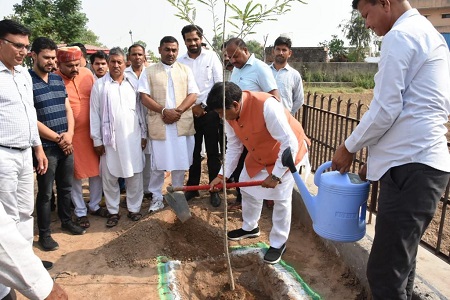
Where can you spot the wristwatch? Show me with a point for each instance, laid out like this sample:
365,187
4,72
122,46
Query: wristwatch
203,105
275,178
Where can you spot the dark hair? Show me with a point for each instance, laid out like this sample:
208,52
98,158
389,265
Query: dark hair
356,2
282,40
167,39
42,43
134,46
190,28
215,97
236,41
99,54
81,46
12,27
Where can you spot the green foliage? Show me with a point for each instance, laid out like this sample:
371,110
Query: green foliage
151,55
256,48
144,44
243,20
60,20
358,35
336,49
365,81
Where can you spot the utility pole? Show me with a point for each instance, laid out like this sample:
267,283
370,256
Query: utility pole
131,36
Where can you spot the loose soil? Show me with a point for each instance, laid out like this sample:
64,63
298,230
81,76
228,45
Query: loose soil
121,262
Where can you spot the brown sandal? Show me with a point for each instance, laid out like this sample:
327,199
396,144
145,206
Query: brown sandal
134,216
112,220
83,222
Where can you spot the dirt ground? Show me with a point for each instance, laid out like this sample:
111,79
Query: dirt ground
121,262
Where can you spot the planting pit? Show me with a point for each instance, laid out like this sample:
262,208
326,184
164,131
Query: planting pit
254,279
125,262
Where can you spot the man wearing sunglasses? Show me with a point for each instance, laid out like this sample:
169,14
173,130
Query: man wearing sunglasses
21,269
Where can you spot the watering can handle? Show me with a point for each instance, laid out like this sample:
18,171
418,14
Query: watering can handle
319,172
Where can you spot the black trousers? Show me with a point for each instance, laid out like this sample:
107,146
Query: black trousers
408,198
60,170
206,126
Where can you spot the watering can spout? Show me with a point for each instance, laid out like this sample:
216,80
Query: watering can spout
308,199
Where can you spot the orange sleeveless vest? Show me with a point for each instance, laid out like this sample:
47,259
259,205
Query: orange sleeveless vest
251,130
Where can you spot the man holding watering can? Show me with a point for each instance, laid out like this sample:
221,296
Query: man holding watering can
404,131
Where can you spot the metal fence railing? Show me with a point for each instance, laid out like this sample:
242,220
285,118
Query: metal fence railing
327,121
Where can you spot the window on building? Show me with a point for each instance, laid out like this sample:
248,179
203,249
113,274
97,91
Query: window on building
445,16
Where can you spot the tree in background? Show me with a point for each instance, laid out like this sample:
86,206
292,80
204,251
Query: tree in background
336,50
60,20
256,48
242,21
358,35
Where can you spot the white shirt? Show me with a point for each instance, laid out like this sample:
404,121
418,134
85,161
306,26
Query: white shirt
181,147
207,70
127,157
18,121
20,268
290,87
132,77
279,128
411,104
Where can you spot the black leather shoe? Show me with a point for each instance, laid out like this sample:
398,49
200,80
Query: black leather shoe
191,194
73,228
48,243
48,265
215,199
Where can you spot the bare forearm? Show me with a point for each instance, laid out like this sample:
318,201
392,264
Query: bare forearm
70,118
47,133
187,102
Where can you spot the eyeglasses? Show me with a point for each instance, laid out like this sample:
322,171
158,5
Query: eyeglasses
18,46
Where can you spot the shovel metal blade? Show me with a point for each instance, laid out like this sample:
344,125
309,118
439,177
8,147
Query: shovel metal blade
177,201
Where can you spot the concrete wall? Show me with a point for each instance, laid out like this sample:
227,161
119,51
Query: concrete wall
335,68
302,54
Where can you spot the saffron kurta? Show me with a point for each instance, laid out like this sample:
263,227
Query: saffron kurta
86,161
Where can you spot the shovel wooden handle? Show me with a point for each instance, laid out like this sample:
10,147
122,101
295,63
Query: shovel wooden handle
186,188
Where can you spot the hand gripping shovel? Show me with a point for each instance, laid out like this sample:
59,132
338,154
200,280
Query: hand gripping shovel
177,201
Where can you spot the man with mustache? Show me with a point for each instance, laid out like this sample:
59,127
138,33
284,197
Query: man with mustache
168,90
99,64
79,82
119,134
288,79
55,125
20,268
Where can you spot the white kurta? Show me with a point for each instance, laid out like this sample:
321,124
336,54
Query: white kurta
175,152
127,158
280,130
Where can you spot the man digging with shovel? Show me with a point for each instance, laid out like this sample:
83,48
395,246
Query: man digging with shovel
259,122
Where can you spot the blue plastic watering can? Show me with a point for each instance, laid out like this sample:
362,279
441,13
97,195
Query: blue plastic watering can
338,211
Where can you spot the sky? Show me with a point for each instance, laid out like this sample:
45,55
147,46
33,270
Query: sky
112,20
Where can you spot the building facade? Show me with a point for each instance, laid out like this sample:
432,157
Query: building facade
438,12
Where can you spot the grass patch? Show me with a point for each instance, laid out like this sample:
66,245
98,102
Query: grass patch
326,90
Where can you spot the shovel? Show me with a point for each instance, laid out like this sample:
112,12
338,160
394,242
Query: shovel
177,201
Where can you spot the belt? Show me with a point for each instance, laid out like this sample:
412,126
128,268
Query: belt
14,148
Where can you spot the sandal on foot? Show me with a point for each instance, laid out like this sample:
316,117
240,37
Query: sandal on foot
83,222
112,220
101,212
134,216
